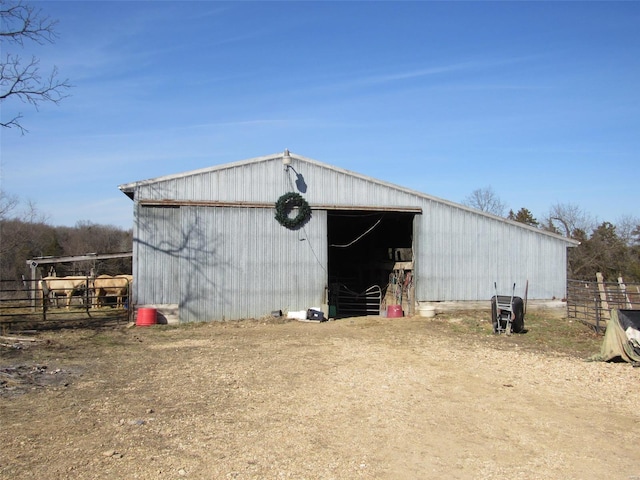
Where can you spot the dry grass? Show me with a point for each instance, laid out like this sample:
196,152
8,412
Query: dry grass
546,330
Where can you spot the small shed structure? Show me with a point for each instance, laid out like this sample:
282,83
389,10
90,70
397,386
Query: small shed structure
207,244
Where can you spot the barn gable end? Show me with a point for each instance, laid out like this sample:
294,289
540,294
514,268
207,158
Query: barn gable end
207,241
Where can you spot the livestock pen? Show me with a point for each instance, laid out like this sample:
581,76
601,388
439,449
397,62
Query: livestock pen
24,307
61,292
591,302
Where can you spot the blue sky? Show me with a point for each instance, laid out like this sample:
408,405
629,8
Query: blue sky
538,100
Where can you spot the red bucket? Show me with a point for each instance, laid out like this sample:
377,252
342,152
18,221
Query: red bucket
394,311
146,317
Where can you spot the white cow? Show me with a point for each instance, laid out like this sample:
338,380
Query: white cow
53,287
105,285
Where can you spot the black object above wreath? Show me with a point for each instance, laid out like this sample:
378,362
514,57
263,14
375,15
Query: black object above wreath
285,205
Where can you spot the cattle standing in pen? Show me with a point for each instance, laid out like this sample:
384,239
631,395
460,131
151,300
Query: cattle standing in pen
107,285
54,287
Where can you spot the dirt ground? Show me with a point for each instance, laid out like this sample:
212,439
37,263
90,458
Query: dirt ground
408,398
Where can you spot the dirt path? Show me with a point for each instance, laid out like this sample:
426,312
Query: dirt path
360,398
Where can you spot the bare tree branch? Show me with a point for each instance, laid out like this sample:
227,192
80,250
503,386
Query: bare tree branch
20,79
628,227
571,217
8,203
22,22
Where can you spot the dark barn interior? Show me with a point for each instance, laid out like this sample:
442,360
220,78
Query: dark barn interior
364,246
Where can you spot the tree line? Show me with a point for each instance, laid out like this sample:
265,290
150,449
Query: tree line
25,234
610,248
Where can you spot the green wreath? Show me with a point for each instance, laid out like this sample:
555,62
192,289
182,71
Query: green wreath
285,204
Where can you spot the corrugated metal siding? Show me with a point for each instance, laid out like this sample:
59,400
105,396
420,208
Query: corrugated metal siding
230,263
237,262
461,254
156,254
252,183
266,181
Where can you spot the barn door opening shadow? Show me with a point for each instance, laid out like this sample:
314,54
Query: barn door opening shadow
363,249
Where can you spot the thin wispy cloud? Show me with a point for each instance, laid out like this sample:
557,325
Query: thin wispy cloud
420,73
400,76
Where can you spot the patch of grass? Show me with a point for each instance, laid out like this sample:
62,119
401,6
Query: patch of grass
466,323
562,335
544,332
109,339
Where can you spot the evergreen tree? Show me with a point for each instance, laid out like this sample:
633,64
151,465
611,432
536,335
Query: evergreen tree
524,216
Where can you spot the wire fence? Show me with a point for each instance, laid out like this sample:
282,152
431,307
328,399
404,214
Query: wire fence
31,305
592,302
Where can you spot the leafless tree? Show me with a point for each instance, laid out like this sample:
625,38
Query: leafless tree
568,218
8,203
485,200
628,228
11,207
22,78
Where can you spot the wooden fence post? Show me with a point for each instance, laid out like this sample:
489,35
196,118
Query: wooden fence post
623,289
603,297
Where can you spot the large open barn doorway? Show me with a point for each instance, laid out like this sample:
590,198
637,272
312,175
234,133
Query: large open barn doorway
364,247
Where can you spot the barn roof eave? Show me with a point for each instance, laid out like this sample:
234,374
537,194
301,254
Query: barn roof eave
128,190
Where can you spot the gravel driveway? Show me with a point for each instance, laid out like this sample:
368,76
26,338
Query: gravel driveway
355,398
